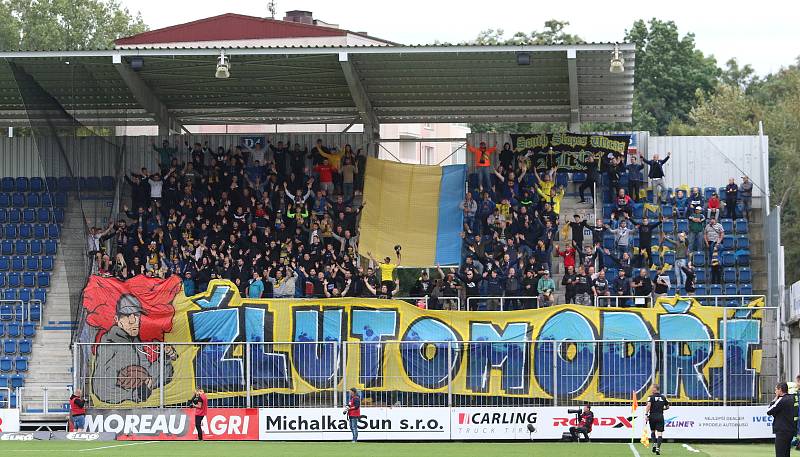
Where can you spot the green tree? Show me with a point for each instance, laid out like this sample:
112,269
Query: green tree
669,70
65,24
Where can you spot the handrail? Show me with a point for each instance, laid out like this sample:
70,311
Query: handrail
502,299
26,309
742,299
8,398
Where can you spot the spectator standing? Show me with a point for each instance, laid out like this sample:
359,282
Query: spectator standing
646,233
582,288
621,285
255,288
349,171
507,157
656,175
713,234
681,248
716,266
77,410
483,164
545,288
622,238
642,286
470,208
731,197
689,274
746,193
635,177
590,163
568,281
354,412
325,171
696,226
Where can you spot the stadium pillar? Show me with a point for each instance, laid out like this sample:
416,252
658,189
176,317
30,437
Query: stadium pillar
147,99
372,128
574,104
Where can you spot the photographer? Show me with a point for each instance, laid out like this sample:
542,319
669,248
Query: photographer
585,421
353,412
200,404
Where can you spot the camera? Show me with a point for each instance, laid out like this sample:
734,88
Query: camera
574,411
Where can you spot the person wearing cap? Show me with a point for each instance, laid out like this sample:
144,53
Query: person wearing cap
697,222
113,359
545,288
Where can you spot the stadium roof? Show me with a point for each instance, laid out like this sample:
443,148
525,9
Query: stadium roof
347,84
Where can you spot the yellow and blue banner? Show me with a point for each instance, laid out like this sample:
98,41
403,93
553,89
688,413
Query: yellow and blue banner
415,206
574,352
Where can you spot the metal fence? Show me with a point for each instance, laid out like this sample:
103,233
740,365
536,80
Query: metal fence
5,397
19,311
423,373
648,300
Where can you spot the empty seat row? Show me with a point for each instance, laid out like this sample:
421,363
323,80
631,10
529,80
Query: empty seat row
33,200
31,215
27,279
13,311
30,263
27,231
52,184
726,258
25,247
16,330
13,381
13,346
9,364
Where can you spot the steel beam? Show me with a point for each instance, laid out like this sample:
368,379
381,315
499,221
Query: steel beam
147,99
574,105
372,128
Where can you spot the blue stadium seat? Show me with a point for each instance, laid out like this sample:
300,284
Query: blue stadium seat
745,275
707,192
17,200
36,309
53,231
2,279
21,363
17,263
727,224
25,295
608,242
13,279
668,227
25,231
743,258
47,263
36,247
607,210
5,200
729,275
7,184
5,263
58,215
43,279
43,215
13,330
14,215
29,215
578,177
741,226
6,310
28,279
746,289
50,247
715,289
730,289
6,247
10,346
2,330
66,184
5,381
10,294
32,200
728,258
39,294
32,263
5,364
10,231
667,211
51,183
669,257
60,199
25,346
91,184
742,242
699,258
20,247
638,211
3,215
21,184
36,184
47,199
40,231
17,380
728,243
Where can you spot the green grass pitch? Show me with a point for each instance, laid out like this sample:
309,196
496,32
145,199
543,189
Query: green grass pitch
376,449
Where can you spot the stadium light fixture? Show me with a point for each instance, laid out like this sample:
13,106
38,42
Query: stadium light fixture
617,62
523,58
137,63
223,67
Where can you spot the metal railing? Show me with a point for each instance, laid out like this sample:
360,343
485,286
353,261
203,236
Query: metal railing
427,298
647,301
25,307
498,302
425,373
5,400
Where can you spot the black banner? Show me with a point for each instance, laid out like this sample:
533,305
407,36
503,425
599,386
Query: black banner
567,151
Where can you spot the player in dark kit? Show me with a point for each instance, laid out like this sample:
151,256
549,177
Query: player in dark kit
656,405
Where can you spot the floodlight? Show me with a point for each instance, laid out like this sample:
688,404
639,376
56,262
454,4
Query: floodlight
223,67
617,62
523,58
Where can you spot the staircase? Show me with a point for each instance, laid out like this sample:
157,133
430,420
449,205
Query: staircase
49,381
570,207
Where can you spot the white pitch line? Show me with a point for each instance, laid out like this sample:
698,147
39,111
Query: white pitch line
115,445
633,449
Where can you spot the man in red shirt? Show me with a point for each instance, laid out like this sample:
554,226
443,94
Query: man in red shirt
77,410
200,403
325,171
354,412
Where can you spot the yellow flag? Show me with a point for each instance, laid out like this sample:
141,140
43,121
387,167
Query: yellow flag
645,439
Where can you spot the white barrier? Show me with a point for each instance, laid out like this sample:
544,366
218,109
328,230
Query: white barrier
9,420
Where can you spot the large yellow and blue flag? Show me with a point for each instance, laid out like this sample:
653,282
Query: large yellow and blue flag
415,206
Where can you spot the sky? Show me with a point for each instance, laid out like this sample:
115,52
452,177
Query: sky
764,34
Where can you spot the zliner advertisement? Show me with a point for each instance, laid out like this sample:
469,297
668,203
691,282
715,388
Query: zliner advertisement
331,424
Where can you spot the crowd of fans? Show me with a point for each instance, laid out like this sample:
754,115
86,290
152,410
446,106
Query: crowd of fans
282,221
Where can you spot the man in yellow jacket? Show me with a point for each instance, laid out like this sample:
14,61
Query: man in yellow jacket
554,197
